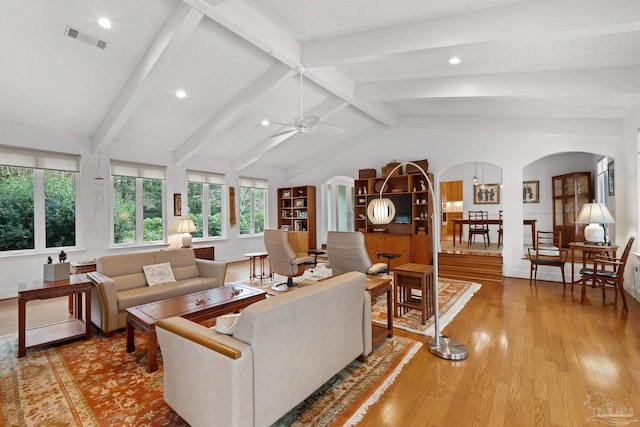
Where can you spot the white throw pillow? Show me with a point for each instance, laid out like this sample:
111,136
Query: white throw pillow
158,273
227,324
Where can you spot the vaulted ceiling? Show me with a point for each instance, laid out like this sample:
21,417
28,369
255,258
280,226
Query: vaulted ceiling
369,65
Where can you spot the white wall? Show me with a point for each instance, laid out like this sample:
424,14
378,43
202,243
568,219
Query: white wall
626,198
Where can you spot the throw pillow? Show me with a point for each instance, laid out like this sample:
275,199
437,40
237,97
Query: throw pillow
227,324
158,273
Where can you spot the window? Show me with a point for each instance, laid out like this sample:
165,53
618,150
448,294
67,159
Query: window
205,199
340,204
38,202
138,203
253,206
602,180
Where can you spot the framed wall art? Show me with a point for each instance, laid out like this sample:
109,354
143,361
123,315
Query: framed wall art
177,204
486,194
530,192
611,181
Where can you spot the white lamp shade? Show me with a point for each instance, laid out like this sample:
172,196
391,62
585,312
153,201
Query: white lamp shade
381,211
186,226
594,214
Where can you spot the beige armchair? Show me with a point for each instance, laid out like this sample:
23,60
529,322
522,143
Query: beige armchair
347,252
283,259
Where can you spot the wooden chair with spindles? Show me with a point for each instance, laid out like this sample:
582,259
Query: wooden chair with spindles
547,251
608,274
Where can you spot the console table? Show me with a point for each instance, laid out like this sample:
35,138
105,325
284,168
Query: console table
75,285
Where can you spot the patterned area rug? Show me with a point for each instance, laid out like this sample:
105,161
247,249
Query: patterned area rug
96,383
452,297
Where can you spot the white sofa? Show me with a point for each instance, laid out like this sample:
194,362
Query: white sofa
282,349
120,282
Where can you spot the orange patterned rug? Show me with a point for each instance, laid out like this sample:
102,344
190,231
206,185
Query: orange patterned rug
96,383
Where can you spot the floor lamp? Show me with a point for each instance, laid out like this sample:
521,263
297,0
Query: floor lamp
381,211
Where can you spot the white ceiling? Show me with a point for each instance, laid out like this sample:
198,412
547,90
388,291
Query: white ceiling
370,65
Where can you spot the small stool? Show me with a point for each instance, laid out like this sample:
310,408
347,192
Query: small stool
410,277
389,256
252,266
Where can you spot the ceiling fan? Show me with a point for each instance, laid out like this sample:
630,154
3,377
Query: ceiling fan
303,124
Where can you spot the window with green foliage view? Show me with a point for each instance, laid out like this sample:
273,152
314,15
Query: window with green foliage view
27,210
137,210
205,208
252,210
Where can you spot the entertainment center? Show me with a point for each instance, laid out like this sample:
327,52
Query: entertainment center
409,234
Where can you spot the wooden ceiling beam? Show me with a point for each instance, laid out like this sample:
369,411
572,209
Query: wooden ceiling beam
170,39
230,113
526,84
526,21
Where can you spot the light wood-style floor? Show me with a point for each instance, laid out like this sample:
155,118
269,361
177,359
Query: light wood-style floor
535,354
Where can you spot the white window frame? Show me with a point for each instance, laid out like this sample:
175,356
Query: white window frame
139,171
253,184
39,161
207,178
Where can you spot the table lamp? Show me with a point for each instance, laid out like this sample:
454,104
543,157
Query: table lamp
594,214
382,211
187,227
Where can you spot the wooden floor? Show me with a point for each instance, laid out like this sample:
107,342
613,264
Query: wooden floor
535,354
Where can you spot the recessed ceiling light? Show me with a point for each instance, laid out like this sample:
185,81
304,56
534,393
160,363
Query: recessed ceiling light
104,23
265,122
454,60
181,94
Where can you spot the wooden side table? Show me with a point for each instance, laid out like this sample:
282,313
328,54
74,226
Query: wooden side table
261,256
410,277
79,268
76,284
377,286
588,251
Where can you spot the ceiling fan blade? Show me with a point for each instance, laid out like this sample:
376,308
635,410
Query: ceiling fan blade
283,124
310,121
284,132
329,130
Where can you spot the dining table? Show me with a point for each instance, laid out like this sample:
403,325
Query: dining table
459,223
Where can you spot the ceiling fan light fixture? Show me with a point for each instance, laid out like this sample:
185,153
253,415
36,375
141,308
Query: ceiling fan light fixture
265,122
454,60
181,93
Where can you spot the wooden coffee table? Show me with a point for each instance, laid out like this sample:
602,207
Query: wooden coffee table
197,307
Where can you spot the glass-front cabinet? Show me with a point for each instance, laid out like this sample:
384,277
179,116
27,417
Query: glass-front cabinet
570,192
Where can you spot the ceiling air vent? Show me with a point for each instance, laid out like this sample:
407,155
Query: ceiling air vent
74,33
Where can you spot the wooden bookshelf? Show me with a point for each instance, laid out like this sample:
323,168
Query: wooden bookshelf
297,214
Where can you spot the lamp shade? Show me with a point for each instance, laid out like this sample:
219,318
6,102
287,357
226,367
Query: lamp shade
381,211
186,226
594,214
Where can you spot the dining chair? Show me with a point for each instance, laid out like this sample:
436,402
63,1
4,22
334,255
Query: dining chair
500,230
608,274
547,251
478,225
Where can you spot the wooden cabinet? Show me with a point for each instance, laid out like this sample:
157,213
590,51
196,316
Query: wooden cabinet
451,190
297,214
205,252
409,234
570,192
392,243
